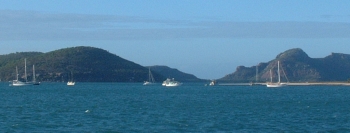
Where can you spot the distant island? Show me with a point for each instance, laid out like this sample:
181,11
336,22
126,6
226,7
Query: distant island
89,64
297,67
83,64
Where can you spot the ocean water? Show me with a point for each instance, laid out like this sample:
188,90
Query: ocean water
193,107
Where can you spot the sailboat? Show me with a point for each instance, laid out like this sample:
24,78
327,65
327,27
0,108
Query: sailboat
278,84
71,83
17,82
150,78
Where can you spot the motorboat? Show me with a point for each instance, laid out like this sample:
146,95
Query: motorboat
171,83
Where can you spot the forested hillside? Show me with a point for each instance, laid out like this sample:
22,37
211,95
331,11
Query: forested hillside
84,64
176,74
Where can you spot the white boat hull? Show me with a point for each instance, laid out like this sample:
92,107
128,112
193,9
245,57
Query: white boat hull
70,83
148,83
173,84
275,85
19,83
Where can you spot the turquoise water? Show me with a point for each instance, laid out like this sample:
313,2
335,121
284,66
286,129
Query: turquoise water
131,107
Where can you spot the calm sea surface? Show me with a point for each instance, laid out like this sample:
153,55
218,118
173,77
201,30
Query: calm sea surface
193,107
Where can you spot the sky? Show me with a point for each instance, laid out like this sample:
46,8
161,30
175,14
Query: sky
206,38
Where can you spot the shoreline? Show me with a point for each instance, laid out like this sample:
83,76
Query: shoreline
291,84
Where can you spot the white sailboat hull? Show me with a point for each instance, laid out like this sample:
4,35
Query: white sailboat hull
70,83
272,85
148,83
19,83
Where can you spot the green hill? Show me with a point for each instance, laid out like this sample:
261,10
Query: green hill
176,74
298,67
89,64
85,64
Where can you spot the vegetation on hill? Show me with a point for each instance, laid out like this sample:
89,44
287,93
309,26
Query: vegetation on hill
168,72
298,67
89,64
83,64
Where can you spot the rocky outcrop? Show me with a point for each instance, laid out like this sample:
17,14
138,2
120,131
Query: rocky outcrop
296,66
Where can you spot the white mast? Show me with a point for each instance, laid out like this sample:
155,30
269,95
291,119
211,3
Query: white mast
16,73
270,75
149,75
34,74
25,68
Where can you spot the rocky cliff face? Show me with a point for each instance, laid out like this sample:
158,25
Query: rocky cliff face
296,66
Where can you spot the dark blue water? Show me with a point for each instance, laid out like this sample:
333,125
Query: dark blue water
117,107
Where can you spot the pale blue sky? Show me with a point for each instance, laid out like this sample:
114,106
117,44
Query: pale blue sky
207,38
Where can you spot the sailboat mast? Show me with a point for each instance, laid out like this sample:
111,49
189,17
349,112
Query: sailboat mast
16,73
270,75
34,74
152,78
25,68
149,74
278,71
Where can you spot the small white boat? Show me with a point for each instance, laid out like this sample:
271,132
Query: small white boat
70,83
212,83
150,78
171,83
